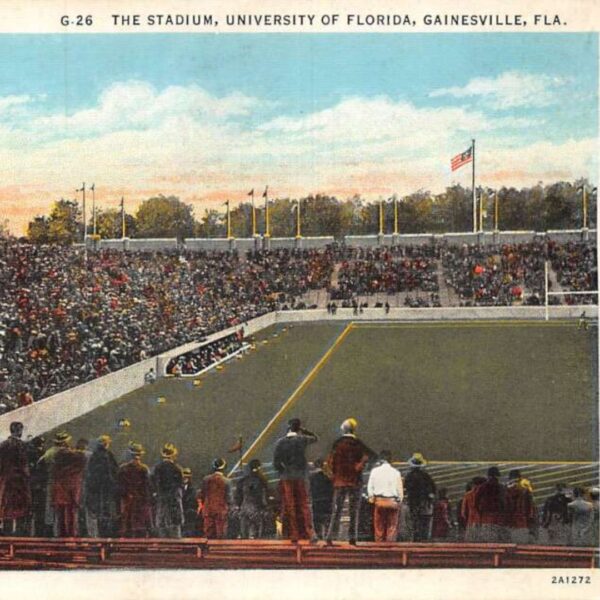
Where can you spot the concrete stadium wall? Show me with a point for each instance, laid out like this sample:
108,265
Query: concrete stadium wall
436,314
402,239
52,412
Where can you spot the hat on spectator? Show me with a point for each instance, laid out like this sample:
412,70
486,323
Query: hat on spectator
105,439
169,451
219,464
254,464
349,425
136,449
186,472
62,438
417,460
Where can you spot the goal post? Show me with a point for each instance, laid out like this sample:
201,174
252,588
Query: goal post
548,294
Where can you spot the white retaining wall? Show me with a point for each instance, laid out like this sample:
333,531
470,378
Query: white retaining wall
52,412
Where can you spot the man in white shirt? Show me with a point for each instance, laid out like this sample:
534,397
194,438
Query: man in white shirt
385,492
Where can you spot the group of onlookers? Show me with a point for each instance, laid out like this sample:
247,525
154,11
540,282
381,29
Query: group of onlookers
192,363
80,490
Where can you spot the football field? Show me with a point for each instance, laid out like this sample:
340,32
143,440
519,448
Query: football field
470,392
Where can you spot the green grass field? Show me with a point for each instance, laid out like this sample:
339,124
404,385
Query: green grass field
477,391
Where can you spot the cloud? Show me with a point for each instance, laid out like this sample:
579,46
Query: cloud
138,105
137,140
511,89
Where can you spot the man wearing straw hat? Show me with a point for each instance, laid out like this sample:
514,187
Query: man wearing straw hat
135,494
67,483
420,489
167,478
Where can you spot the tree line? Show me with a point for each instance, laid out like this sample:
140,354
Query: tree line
539,208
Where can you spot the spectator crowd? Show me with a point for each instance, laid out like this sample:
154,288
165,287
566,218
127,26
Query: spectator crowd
80,490
68,316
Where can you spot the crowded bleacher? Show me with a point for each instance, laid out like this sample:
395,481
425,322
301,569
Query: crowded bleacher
67,316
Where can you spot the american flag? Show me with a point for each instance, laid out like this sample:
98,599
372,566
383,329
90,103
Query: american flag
462,159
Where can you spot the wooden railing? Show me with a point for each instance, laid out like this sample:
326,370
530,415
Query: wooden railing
200,553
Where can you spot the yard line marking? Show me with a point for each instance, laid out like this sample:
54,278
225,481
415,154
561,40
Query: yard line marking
295,395
506,462
466,324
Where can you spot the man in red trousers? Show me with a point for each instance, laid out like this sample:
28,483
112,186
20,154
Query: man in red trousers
216,497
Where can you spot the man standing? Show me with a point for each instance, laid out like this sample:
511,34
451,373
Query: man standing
348,458
581,516
167,478
216,498
15,495
321,491
420,489
555,517
190,504
67,484
468,511
100,490
251,499
135,494
386,493
520,509
290,461
490,502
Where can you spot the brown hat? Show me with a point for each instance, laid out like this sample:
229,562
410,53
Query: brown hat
169,451
135,449
62,438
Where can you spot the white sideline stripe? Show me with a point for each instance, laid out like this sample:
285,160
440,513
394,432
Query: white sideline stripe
291,399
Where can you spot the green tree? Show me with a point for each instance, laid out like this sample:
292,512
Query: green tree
164,216
109,224
63,226
37,230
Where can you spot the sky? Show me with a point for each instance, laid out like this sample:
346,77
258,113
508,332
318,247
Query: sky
208,117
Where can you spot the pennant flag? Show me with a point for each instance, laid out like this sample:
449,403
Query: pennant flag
265,192
237,446
251,192
462,159
93,187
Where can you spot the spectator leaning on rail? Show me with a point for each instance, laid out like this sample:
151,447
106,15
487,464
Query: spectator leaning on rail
348,458
386,493
290,461
420,489
15,494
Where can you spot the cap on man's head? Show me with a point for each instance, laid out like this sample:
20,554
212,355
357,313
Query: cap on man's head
493,472
169,451
349,425
417,460
514,474
219,464
136,449
62,438
294,424
254,464
105,439
186,472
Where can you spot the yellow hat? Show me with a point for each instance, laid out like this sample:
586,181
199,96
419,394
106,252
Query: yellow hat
169,451
349,425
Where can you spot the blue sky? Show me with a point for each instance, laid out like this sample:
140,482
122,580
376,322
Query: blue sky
305,112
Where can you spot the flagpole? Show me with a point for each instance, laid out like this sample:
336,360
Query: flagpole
584,207
253,214
395,215
122,217
228,221
496,210
94,208
298,232
474,192
381,217
267,228
481,212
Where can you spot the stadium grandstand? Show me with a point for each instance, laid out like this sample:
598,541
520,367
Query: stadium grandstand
468,372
